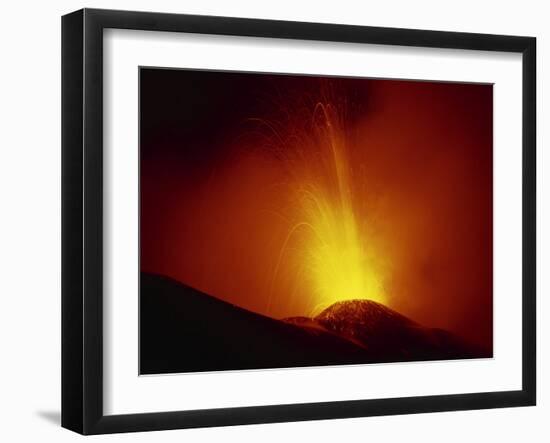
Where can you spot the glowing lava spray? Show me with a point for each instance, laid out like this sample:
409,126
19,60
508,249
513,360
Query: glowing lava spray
329,247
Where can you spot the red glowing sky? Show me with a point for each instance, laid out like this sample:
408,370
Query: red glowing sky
225,157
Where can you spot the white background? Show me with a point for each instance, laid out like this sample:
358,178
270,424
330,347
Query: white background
30,219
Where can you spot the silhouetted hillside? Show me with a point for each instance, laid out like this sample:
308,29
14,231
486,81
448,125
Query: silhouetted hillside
185,330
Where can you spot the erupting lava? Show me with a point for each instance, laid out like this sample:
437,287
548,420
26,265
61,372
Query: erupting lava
327,245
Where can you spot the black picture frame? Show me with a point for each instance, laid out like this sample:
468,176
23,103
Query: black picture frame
82,220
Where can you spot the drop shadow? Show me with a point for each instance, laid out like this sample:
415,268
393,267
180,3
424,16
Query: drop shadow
53,417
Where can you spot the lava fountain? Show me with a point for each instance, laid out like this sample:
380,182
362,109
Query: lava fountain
330,246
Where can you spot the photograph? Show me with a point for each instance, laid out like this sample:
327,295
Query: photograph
291,220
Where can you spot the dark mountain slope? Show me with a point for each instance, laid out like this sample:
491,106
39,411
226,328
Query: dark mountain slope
391,336
185,330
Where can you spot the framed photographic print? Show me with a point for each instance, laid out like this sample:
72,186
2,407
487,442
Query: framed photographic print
269,221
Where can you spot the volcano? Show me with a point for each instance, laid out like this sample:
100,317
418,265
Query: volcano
185,330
